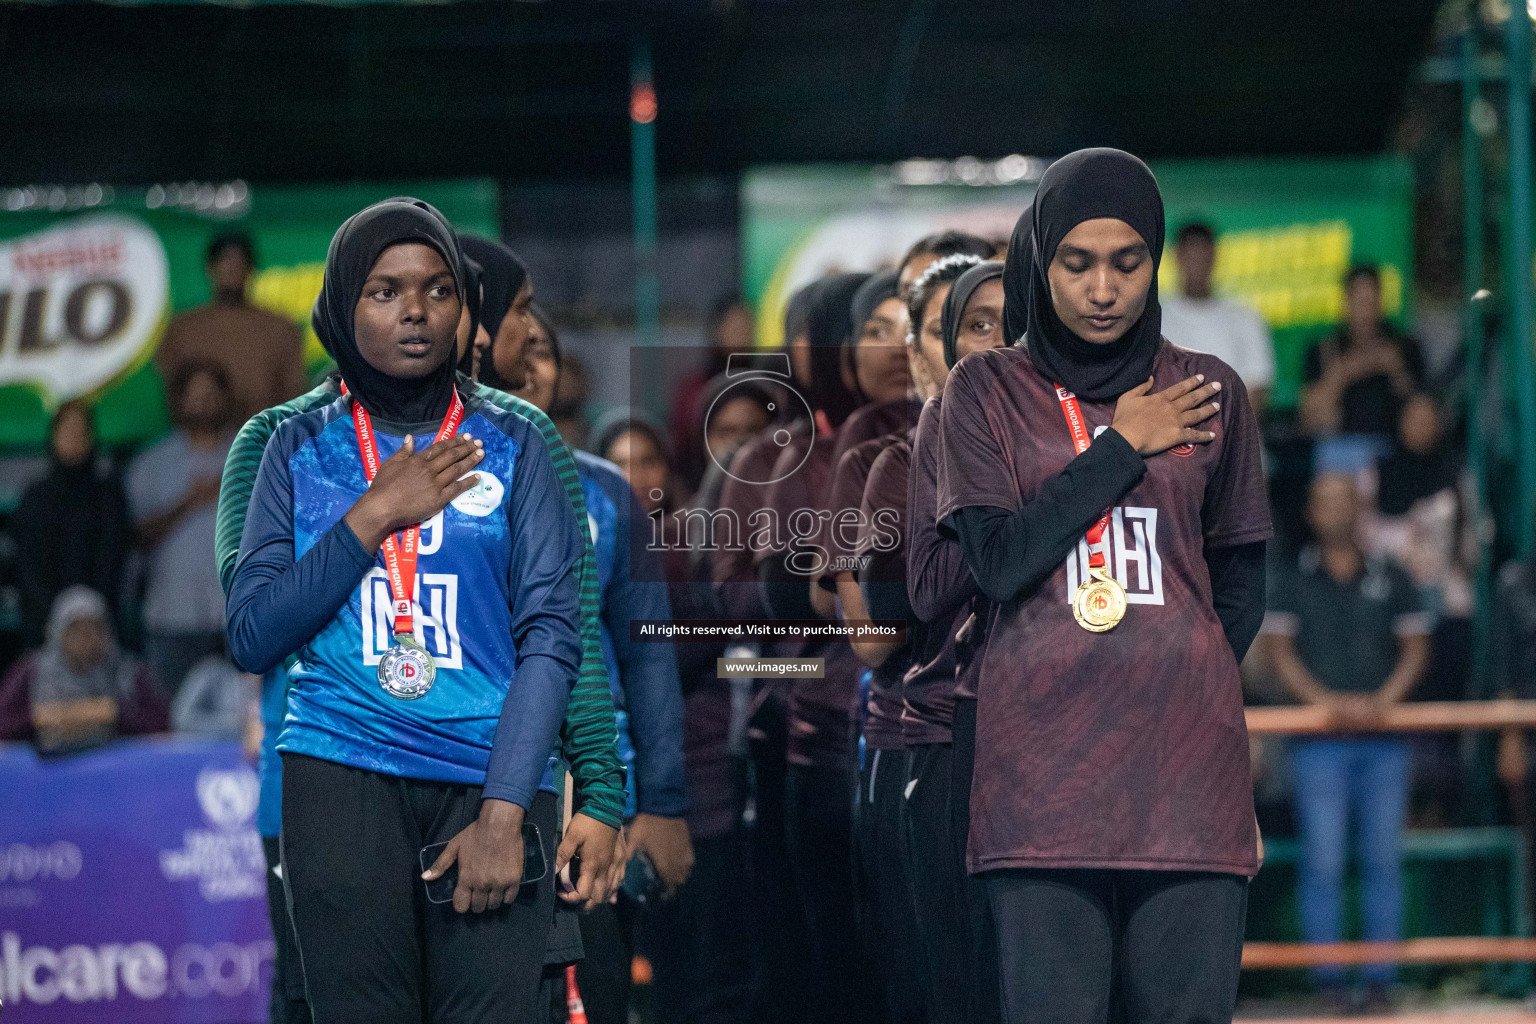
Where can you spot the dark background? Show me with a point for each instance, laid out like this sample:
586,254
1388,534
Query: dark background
540,90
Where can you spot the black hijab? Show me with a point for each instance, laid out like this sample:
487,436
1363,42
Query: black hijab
617,422
829,322
796,312
1086,185
1016,280
954,305
879,287
472,275
502,276
355,248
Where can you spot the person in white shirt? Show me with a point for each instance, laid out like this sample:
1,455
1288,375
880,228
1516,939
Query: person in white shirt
1227,329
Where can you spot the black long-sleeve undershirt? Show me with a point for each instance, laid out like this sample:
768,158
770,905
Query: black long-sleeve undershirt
1011,553
884,583
1238,592
786,593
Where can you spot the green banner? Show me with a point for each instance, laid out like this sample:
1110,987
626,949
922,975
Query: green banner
1287,230
85,297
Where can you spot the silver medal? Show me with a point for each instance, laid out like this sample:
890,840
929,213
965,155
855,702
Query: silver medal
407,671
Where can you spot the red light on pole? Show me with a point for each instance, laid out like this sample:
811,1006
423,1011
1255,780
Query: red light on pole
642,103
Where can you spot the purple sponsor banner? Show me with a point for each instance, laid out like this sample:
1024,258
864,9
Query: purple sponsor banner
132,886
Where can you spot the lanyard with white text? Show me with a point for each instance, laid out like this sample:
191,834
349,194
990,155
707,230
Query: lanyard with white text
1100,601
1080,441
399,558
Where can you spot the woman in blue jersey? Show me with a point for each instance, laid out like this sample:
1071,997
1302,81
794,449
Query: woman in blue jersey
417,553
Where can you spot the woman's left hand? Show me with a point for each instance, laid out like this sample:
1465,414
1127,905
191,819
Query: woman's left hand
595,847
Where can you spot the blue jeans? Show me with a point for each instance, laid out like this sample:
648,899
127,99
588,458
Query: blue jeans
1349,453
1333,777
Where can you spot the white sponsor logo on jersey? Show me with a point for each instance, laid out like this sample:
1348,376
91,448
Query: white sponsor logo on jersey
1131,555
436,610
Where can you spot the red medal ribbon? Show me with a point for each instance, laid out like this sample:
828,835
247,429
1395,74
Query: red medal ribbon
399,557
1080,440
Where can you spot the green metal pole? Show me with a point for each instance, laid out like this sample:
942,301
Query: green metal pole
1522,288
1472,334
642,148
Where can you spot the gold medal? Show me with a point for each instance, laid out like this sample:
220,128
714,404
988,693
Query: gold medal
1099,603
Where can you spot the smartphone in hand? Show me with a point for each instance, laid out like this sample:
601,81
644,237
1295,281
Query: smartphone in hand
440,890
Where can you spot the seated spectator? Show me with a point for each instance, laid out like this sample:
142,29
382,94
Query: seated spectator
1226,328
216,700
71,526
1417,514
173,489
262,354
1347,631
1357,380
80,690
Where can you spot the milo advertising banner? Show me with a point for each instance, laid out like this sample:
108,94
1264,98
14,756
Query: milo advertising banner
1287,231
85,297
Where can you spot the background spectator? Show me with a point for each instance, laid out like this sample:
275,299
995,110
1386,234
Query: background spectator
80,690
173,488
733,420
698,942
216,700
1418,509
1347,631
628,439
1195,318
1357,380
262,354
728,330
71,526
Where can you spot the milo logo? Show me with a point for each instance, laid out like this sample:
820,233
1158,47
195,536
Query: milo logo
81,304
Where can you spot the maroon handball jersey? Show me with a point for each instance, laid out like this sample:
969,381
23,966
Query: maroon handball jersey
843,539
938,583
821,711
1124,749
745,491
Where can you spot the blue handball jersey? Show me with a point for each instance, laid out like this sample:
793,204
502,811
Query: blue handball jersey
495,603
647,694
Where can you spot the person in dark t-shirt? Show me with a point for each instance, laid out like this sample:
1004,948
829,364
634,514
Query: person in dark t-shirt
1111,806
1357,380
1349,632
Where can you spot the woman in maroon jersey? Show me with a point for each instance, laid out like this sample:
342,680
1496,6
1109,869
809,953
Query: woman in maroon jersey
955,309
1106,491
887,924
822,771
782,988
